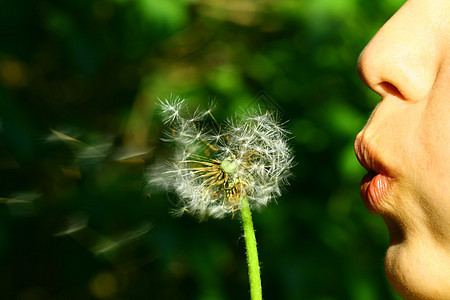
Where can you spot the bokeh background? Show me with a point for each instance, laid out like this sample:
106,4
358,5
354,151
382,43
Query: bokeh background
79,81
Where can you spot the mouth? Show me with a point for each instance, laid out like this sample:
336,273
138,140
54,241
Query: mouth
377,182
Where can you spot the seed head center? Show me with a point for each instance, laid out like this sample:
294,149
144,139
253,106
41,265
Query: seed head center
228,166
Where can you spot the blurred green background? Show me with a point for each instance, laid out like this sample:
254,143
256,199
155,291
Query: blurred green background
78,85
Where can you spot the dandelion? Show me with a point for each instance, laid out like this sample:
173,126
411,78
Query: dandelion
215,167
220,170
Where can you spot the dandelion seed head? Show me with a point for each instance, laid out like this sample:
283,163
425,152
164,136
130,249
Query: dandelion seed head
215,166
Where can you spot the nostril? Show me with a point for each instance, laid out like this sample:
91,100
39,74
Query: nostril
389,88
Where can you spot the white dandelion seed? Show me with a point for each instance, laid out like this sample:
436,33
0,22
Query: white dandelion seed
215,166
170,109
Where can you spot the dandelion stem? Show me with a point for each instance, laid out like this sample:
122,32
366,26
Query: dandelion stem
252,252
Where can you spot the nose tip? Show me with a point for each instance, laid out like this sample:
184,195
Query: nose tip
402,59
362,67
380,71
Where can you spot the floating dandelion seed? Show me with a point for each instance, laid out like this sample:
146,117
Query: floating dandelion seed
216,166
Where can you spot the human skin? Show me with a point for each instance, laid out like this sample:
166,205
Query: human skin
405,145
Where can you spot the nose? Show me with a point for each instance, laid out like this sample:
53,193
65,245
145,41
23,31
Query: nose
403,58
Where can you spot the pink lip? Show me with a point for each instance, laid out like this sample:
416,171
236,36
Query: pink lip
374,188
376,183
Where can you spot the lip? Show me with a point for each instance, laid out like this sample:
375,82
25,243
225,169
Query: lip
376,184
374,188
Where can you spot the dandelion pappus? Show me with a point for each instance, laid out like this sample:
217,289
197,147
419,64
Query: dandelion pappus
215,166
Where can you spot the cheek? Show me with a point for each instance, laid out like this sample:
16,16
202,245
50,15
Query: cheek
435,133
435,139
433,183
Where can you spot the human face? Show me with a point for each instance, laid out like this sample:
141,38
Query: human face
406,145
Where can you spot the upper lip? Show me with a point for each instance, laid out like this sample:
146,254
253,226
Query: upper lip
367,158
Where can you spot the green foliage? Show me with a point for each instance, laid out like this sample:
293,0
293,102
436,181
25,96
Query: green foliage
78,126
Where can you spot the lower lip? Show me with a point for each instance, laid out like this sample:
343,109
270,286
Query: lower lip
373,190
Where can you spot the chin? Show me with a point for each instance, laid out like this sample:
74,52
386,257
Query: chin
416,269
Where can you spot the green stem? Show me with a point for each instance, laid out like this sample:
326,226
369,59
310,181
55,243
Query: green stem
252,252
